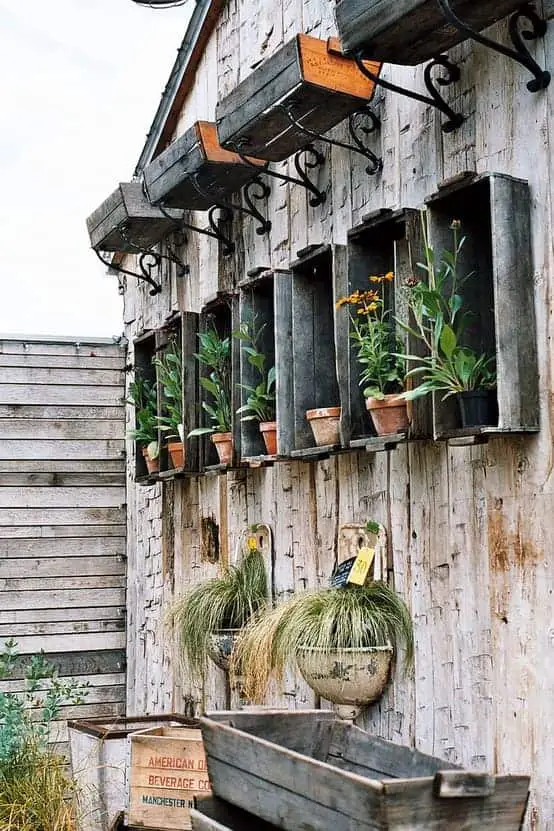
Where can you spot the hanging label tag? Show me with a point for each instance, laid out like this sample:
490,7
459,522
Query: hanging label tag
361,567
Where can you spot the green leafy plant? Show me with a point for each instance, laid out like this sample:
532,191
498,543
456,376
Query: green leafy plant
36,793
170,376
215,353
260,399
327,619
225,602
378,347
440,323
143,396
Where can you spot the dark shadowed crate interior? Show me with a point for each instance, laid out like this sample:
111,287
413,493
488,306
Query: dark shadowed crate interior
309,769
308,75
126,220
213,814
197,157
410,31
494,213
144,348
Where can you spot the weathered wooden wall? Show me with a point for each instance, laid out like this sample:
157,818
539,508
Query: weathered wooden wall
470,528
62,511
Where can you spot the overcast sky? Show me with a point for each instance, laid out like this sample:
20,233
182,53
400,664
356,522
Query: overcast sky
81,81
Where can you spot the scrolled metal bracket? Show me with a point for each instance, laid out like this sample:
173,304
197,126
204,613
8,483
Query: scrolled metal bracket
215,232
359,146
170,257
312,159
434,99
145,268
228,207
520,53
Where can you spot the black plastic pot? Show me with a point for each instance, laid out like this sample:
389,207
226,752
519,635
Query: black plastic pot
478,408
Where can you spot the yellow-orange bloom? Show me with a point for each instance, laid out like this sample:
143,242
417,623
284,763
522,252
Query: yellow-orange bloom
389,276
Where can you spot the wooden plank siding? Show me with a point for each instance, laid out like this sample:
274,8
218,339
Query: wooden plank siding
63,513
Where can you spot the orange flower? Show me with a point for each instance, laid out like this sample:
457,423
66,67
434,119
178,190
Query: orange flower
389,276
375,279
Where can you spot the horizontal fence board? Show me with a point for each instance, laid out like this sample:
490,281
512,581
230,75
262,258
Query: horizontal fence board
63,627
72,412
94,681
64,598
73,664
54,516
25,428
94,615
68,346
88,549
65,394
80,642
105,710
67,480
57,466
53,531
71,377
58,497
45,449
95,694
84,361
12,584
31,567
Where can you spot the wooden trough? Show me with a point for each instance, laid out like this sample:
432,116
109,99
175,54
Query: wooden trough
310,770
197,157
308,75
410,31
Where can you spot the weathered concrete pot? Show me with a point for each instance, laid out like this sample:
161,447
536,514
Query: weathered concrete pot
352,678
221,645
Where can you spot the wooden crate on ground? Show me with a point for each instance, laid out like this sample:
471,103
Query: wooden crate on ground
168,769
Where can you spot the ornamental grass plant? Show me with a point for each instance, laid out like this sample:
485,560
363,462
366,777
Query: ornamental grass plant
326,619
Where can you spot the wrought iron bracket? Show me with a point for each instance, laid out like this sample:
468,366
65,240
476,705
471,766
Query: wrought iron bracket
520,53
434,99
355,126
214,232
263,192
170,257
313,158
145,266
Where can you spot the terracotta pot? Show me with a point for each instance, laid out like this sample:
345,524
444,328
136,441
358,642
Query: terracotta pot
268,429
176,452
224,446
389,414
324,422
152,465
352,678
220,646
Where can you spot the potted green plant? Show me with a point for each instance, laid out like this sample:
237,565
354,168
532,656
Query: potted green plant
143,396
260,399
441,323
378,347
215,354
210,616
170,376
341,639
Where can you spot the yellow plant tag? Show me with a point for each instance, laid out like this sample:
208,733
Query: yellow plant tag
361,566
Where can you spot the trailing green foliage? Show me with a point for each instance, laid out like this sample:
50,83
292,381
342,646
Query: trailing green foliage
226,602
215,353
326,619
142,395
260,400
35,792
170,376
441,323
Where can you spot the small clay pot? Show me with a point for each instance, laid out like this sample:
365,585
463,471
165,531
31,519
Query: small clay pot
152,465
176,452
389,414
325,422
224,445
268,429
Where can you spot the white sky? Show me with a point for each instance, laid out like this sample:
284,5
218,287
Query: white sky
81,81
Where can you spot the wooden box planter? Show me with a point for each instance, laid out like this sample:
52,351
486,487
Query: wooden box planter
310,76
144,349
494,211
385,241
127,219
410,31
197,156
267,300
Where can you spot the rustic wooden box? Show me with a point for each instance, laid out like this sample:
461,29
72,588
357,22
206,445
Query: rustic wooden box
168,769
126,219
410,31
310,76
197,155
144,350
494,211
